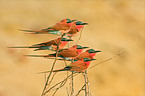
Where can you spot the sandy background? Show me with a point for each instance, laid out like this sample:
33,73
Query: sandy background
113,25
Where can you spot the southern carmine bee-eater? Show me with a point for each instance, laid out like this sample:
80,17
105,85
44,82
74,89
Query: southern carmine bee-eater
75,28
58,29
69,53
78,66
90,53
50,45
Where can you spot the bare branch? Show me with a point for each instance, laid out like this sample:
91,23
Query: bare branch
52,78
85,83
68,77
80,36
118,54
88,83
61,85
72,85
43,92
67,91
81,89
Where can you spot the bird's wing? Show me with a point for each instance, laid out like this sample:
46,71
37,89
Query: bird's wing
61,26
69,53
73,29
83,55
78,66
49,43
44,44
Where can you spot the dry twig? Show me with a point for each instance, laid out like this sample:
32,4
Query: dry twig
43,92
80,36
118,54
81,90
72,86
68,77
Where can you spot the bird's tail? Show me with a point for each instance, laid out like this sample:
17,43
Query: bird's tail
24,47
54,71
55,32
34,31
60,59
40,55
27,30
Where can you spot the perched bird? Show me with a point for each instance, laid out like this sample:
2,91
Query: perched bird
58,29
50,45
66,26
78,66
90,53
75,28
71,52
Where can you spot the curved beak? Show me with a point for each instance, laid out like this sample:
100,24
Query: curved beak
93,59
97,51
69,40
84,47
84,24
73,20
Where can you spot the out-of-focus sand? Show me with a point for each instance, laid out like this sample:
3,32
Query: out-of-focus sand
113,25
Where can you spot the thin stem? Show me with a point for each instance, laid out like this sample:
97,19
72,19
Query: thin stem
81,90
88,83
68,77
45,77
51,79
118,54
85,84
67,91
72,86
65,63
80,36
58,59
51,69
61,85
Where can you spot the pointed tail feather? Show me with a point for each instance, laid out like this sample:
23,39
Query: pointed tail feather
27,30
36,55
41,31
40,55
58,59
39,49
54,71
34,31
46,32
37,33
24,47
55,32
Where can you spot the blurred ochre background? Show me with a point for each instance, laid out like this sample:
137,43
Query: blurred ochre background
113,25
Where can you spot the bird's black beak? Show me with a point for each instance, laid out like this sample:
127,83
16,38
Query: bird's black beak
73,20
84,24
69,40
84,47
93,59
97,51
